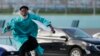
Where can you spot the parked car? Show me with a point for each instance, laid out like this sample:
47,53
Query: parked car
69,42
96,35
7,50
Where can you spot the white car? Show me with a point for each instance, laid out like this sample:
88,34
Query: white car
96,35
8,49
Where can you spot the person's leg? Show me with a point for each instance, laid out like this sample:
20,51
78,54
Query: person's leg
28,46
22,49
39,50
34,45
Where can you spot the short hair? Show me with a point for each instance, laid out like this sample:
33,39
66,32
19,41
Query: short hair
24,7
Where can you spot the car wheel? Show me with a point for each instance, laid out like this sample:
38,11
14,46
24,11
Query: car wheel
76,52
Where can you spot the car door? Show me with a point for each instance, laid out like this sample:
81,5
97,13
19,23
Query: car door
55,48
53,44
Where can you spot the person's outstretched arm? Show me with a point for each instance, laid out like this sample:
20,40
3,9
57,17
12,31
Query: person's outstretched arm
44,21
52,29
8,26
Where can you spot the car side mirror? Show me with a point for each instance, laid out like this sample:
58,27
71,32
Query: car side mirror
65,38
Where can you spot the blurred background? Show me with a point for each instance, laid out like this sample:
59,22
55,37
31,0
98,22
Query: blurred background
53,6
84,14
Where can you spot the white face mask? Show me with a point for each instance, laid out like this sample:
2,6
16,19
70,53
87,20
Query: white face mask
24,17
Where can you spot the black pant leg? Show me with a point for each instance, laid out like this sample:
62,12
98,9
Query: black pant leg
29,45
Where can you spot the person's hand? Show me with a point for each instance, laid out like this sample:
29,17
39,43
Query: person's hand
53,31
8,27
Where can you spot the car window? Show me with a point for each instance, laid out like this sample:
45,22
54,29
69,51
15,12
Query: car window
97,35
77,33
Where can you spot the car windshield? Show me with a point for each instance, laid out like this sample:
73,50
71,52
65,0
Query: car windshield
76,33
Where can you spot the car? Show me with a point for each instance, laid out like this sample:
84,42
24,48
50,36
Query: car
7,50
96,35
68,42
